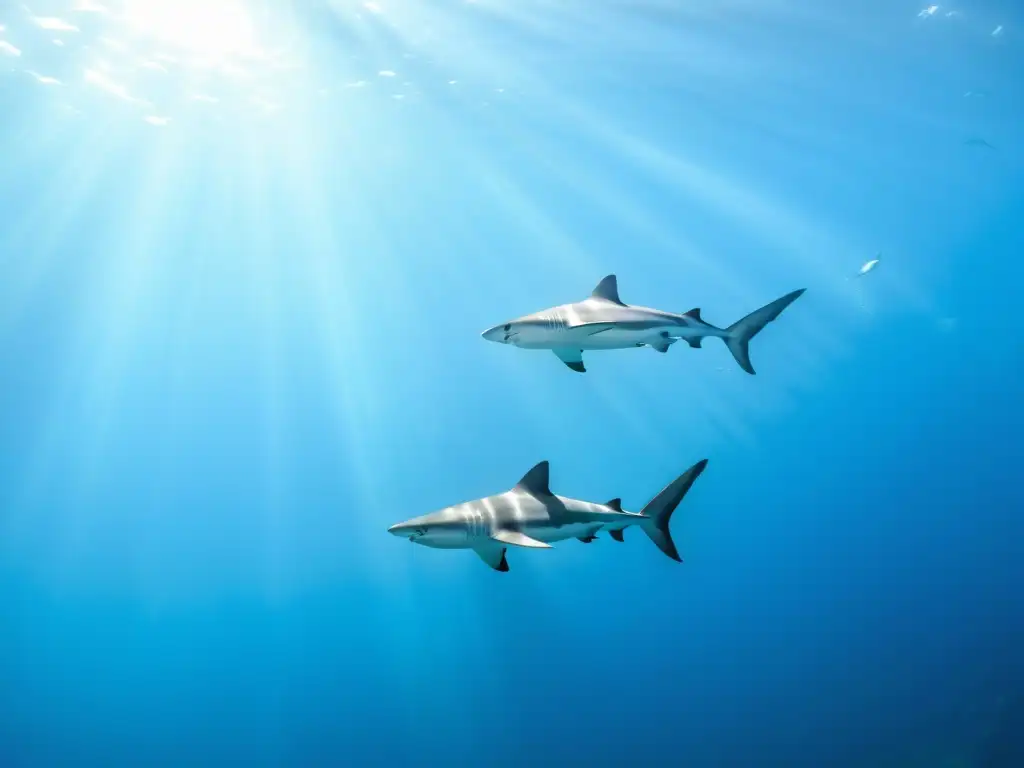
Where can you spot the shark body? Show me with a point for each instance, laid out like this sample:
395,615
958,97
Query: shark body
604,321
530,515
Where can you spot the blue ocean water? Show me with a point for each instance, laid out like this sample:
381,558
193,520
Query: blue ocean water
246,254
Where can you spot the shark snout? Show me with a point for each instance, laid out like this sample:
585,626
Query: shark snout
498,333
402,530
410,529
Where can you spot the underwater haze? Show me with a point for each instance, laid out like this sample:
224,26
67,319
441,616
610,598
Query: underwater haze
247,252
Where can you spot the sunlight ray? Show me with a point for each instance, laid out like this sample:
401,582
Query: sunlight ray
119,319
268,272
328,276
43,228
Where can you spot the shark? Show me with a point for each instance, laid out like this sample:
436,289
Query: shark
530,516
604,321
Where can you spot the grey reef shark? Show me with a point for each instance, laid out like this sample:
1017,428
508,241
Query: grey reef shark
530,515
604,321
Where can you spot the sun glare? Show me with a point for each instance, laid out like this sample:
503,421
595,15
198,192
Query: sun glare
211,29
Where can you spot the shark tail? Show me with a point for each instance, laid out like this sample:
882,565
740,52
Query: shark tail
738,335
659,510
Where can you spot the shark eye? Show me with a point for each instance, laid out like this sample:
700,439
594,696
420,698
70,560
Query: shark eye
508,327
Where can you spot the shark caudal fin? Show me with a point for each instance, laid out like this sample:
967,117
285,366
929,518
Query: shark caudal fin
739,334
659,510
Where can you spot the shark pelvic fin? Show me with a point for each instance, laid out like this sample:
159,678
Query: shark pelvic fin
608,289
536,481
517,539
694,341
572,358
493,555
617,535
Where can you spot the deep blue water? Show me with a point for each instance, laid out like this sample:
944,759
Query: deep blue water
240,340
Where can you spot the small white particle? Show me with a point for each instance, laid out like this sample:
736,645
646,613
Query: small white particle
386,73
868,266
264,104
997,31
452,82
43,79
927,12
373,7
88,6
9,50
55,24
158,121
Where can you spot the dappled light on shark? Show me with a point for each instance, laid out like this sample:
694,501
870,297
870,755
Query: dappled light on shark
531,516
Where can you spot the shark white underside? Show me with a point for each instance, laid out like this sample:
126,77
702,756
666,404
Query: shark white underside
603,321
530,516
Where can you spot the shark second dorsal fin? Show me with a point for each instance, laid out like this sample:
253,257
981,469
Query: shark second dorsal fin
607,289
535,482
615,504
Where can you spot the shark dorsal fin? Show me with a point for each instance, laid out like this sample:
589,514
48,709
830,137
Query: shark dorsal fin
535,482
694,314
607,289
615,504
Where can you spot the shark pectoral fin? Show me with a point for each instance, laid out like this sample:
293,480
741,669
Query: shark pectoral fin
517,539
661,346
493,555
572,358
582,330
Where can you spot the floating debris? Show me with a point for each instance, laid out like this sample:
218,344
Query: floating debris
43,79
54,24
868,266
997,31
978,142
928,12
